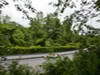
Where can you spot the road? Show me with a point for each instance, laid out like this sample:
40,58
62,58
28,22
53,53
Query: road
34,60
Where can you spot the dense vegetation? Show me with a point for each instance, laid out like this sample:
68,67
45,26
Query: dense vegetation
43,35
49,34
83,63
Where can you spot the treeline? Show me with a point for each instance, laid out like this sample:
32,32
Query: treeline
48,31
45,34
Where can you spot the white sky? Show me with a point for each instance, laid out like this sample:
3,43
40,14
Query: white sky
39,5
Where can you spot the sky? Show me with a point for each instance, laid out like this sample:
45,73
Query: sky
39,5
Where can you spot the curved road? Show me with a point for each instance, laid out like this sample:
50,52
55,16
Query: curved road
34,60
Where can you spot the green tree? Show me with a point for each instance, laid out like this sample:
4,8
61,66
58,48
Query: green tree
52,27
66,33
18,37
37,32
85,63
23,6
60,66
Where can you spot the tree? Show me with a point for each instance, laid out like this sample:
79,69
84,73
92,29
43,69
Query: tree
97,4
24,6
18,37
85,63
82,15
37,32
4,19
6,31
60,66
66,33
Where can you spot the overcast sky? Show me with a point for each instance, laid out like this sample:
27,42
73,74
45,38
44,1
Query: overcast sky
39,5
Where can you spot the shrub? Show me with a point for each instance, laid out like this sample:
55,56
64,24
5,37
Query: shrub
38,49
15,69
3,50
84,63
60,66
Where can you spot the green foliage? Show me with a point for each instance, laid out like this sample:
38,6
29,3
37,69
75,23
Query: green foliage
16,69
60,66
84,63
44,35
5,33
98,3
2,70
18,37
3,50
37,49
48,34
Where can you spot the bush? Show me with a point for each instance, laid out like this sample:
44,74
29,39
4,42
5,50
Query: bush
60,66
3,50
84,63
2,70
37,49
16,69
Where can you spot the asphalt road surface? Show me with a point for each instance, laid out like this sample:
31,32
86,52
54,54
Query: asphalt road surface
34,60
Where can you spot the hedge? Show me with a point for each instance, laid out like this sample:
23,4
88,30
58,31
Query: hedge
36,49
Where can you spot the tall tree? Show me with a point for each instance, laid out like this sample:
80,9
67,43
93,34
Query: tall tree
84,12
